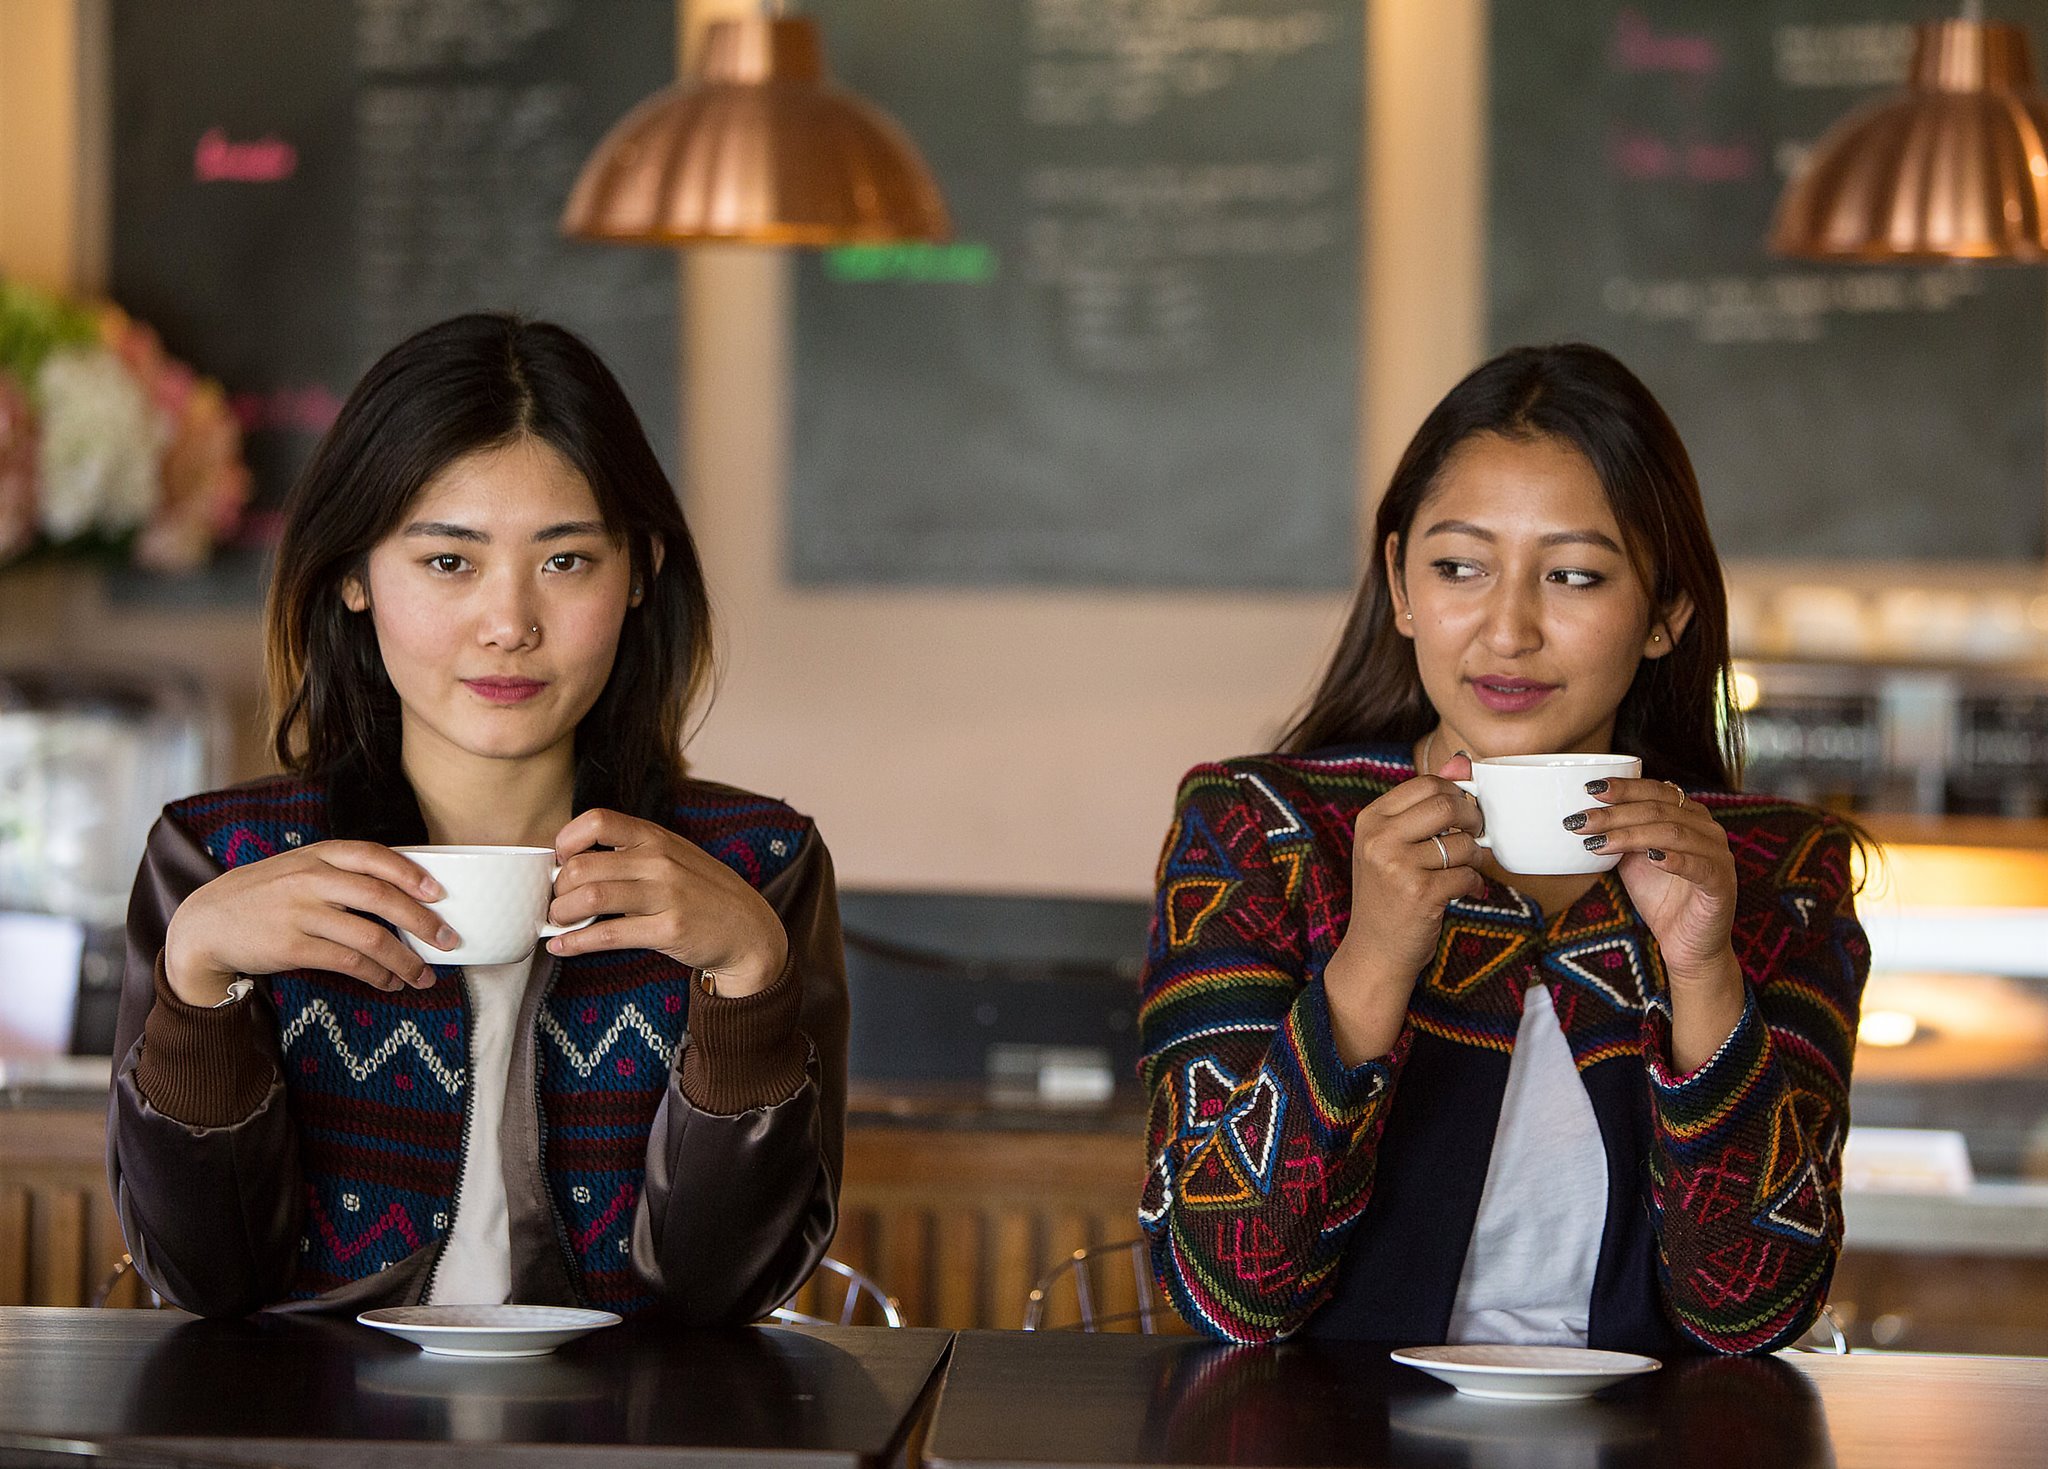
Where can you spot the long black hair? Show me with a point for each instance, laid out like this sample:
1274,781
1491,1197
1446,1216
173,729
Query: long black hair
1679,713
472,383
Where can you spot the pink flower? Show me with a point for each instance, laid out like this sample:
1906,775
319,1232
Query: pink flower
205,483
17,469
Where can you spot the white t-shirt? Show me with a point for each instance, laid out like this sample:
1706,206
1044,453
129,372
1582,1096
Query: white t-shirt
475,1268
1528,1275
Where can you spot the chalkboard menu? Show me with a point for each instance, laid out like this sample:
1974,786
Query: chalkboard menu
1137,365
296,187
1638,150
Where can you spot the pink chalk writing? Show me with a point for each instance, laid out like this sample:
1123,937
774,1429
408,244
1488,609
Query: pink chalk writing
1647,158
265,161
1638,48
311,409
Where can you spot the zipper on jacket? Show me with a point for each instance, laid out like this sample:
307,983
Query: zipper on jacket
571,1266
462,1153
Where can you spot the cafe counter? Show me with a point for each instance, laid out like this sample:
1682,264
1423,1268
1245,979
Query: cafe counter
150,1388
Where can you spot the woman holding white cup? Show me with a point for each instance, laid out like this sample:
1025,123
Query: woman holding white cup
349,1071
1401,1092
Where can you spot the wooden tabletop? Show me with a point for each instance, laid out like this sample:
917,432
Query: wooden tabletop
1067,1399
301,1391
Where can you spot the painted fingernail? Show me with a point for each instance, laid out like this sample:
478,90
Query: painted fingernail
1594,844
1595,787
446,937
1656,855
1575,821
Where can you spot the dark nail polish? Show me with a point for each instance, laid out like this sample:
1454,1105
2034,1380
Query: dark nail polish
1595,787
1594,844
1656,855
1575,821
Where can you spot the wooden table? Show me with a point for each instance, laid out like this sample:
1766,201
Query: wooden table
1064,1399
301,1391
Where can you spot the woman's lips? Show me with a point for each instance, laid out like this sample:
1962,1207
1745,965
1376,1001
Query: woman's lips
504,690
1511,695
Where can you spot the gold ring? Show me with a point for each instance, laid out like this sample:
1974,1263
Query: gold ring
1442,852
1676,787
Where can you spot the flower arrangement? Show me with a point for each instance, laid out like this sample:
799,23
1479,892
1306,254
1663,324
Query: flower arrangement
108,445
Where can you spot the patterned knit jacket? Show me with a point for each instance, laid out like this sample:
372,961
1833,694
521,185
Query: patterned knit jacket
375,1084
1288,1192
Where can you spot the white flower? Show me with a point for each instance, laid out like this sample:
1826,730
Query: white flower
100,445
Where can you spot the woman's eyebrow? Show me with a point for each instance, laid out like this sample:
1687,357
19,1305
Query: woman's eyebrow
569,528
447,531
1555,538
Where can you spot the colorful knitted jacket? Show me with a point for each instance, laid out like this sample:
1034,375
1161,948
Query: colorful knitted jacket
1288,1192
376,1084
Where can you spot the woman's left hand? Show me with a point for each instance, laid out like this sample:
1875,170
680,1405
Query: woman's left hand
664,893
1678,870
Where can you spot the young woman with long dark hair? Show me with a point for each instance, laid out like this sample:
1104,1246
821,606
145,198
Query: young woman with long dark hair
1400,1094
487,626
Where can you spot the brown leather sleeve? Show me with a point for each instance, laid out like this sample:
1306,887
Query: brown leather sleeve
201,1158
741,1196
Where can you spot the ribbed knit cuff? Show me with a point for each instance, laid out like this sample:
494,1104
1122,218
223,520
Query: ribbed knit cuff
1344,1095
1690,1102
745,1052
203,1067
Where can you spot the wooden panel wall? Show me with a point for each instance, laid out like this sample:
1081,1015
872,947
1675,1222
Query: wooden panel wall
58,1234
957,1225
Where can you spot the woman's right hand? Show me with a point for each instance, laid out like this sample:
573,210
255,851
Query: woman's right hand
305,910
1412,854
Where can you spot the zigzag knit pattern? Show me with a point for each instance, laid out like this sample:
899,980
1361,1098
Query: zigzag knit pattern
378,1083
1262,1142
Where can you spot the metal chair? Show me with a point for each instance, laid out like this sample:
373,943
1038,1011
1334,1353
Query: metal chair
855,1290
1109,1287
1825,1335
112,1280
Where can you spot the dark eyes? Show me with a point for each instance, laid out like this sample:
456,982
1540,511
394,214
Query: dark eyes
1451,570
447,563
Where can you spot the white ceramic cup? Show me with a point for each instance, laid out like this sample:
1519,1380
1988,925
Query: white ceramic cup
496,901
1526,798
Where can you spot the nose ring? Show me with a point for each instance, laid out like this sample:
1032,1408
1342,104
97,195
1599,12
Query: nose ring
534,631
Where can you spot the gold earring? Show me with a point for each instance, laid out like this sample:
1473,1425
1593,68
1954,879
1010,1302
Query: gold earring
1656,637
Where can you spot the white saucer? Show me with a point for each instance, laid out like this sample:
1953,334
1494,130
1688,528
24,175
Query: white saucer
488,1331
1525,1374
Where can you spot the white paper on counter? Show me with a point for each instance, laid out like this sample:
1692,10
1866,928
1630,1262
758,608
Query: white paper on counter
2008,941
39,959
1914,1160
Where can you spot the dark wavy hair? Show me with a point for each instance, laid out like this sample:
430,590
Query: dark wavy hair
1679,713
473,383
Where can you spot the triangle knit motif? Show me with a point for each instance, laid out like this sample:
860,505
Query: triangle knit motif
1612,968
1206,1089
1469,954
1254,1129
1190,902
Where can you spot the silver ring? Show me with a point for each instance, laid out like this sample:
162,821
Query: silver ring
1442,852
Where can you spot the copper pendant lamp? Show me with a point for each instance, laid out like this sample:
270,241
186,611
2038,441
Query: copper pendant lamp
1956,169
760,148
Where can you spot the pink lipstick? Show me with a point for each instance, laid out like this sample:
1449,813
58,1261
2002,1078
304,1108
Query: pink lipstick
504,690
1505,695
